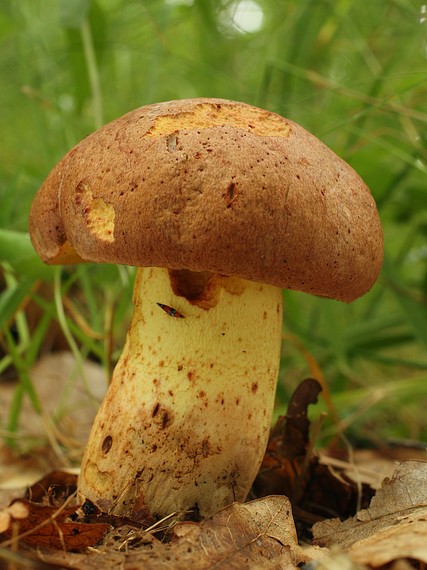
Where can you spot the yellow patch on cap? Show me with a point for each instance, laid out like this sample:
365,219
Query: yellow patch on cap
100,219
207,115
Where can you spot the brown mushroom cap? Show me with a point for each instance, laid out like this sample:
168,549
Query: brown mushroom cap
212,185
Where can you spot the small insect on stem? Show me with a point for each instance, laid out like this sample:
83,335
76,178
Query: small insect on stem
171,311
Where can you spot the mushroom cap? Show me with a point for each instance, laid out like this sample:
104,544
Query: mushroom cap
212,185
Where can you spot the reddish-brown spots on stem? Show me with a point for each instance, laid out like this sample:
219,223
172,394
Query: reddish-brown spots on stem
220,399
166,420
162,416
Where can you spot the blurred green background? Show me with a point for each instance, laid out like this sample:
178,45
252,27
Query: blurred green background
352,72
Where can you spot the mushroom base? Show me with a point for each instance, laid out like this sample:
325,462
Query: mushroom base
186,419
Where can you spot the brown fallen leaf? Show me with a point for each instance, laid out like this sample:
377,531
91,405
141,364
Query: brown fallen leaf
334,559
53,489
259,531
52,519
259,534
284,467
290,467
44,526
408,540
393,527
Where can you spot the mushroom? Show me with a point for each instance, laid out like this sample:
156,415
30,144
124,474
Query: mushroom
220,205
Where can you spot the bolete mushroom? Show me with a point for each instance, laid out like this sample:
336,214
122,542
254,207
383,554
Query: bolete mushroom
220,205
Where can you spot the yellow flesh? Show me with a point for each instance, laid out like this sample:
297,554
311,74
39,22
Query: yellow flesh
186,419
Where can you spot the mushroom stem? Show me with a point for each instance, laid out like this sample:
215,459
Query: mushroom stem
186,419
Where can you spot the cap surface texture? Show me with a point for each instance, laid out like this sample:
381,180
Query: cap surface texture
212,185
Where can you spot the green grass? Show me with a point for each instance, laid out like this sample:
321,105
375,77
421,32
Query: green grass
353,73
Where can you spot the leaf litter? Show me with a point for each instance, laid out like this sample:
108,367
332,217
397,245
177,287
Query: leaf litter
393,527
302,513
291,467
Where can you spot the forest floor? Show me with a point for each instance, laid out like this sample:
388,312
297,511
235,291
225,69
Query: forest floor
331,509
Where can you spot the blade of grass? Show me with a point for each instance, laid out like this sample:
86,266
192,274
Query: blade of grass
385,103
11,299
378,396
63,322
25,386
415,313
404,389
93,72
16,248
14,413
401,362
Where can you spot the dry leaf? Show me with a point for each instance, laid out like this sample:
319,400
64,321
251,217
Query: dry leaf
258,531
290,467
393,527
334,560
45,526
53,488
283,470
407,540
